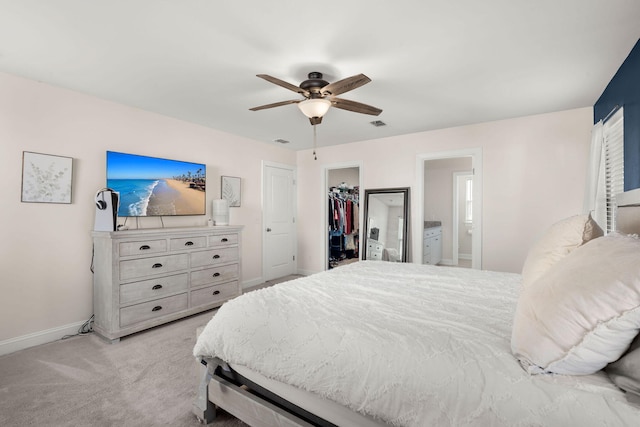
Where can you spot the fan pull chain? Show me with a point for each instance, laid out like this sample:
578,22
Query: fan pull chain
315,157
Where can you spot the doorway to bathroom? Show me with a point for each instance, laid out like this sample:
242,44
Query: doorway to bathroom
450,208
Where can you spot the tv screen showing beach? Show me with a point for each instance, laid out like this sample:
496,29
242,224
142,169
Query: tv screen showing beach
151,186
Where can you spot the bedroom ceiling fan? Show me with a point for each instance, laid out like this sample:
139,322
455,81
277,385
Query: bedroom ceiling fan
319,95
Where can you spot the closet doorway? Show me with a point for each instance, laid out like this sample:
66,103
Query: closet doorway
450,191
342,213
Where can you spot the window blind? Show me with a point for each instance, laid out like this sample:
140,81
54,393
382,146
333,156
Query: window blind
613,150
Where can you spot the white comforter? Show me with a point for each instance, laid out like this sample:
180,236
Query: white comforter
412,345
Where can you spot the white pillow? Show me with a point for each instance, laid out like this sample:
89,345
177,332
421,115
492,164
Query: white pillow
557,242
583,312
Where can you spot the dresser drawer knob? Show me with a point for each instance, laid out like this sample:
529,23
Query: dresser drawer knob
156,287
216,274
216,256
145,247
156,265
216,292
157,308
188,243
224,240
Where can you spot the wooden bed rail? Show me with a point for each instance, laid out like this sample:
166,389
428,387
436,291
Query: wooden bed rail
213,390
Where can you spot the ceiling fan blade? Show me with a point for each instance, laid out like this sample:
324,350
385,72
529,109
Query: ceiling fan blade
345,85
354,106
283,84
276,104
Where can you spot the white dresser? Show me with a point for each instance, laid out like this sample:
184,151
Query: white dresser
432,245
144,278
374,249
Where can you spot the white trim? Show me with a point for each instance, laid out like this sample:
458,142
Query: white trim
294,170
251,283
455,237
631,197
325,205
37,338
307,272
418,195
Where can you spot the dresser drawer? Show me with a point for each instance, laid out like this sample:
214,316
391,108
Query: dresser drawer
152,309
135,268
212,294
188,243
223,240
375,246
153,288
214,257
431,232
143,247
214,275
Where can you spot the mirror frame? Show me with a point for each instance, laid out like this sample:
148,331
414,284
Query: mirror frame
405,191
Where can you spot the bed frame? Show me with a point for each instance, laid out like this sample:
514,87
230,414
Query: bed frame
246,400
220,386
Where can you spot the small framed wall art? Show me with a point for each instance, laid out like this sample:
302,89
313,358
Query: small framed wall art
231,191
46,178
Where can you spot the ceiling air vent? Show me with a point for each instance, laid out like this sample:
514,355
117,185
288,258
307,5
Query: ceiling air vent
281,141
378,123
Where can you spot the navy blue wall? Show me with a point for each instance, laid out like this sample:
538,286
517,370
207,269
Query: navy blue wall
624,90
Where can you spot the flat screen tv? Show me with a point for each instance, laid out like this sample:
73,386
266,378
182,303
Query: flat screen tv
151,186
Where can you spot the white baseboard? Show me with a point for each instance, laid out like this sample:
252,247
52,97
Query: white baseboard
306,272
251,283
446,262
42,337
465,256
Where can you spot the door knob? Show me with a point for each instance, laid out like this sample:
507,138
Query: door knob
268,229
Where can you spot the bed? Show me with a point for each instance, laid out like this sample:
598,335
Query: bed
378,343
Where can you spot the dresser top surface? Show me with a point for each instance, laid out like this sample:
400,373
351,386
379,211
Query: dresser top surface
123,234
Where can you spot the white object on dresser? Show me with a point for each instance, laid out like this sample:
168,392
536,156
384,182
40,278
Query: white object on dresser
144,278
432,245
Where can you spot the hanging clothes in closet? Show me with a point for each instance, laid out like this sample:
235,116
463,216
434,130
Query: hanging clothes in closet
344,224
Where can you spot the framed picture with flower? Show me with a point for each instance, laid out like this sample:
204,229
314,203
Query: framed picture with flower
46,178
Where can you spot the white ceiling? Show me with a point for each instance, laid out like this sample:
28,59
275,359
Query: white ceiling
433,64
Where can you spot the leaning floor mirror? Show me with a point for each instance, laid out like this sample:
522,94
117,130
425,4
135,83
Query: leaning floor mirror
386,215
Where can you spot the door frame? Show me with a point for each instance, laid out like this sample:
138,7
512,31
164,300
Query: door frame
418,218
325,204
294,198
455,243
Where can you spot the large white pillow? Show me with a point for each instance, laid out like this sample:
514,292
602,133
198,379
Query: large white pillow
583,312
557,242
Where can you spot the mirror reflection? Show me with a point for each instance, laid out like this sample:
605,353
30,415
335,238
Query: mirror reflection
386,224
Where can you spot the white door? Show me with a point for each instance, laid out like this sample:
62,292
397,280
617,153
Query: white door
279,237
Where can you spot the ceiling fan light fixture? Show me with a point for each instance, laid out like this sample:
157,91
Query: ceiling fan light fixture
314,107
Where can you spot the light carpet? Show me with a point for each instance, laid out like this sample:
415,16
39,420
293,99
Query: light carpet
147,379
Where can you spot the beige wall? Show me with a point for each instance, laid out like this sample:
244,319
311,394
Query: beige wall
46,248
349,176
534,174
